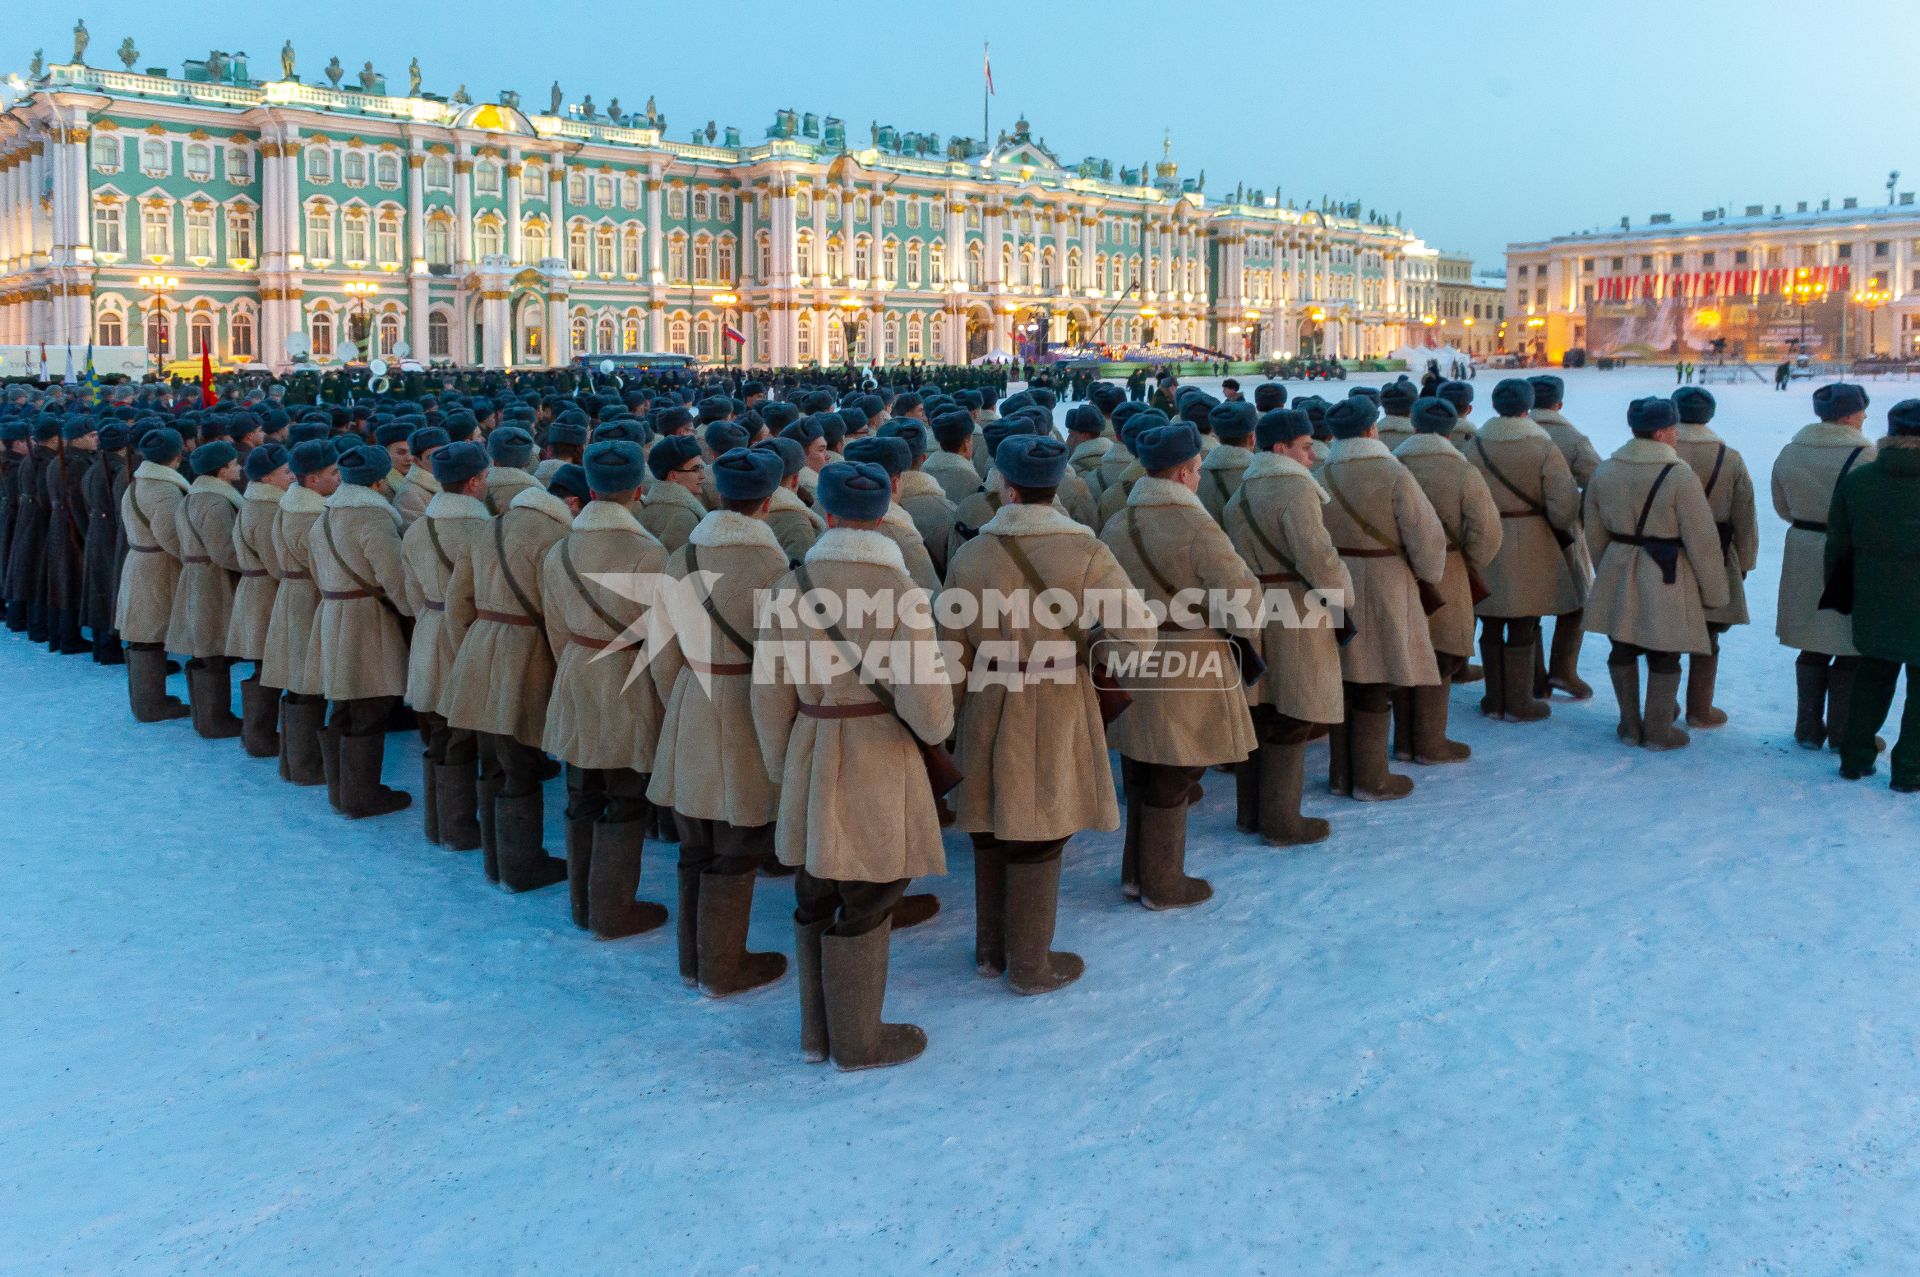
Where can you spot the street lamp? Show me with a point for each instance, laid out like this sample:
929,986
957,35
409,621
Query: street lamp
362,291
1871,298
1150,314
849,326
1805,288
726,302
159,286
1252,317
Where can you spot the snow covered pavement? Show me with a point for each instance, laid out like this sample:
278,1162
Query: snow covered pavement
1571,1008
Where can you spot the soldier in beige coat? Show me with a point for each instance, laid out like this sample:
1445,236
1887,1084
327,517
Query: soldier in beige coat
895,457
421,486
1088,442
1459,397
1189,708
1661,571
1031,741
1459,496
1222,469
1561,670
1533,575
1804,477
1395,426
603,718
709,768
502,678
951,463
267,481
841,736
443,536
1275,521
151,574
922,497
795,524
512,453
203,602
284,664
1723,475
1392,542
672,505
358,647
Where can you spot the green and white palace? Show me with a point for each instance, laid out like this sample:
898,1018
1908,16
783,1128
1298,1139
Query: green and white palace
484,234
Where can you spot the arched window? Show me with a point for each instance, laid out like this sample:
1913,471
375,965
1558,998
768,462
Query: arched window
1046,268
389,334
937,262
803,254
486,177
703,337
439,240
320,335
976,258
862,257
240,233
199,157
533,239
762,337
439,336
320,233
763,257
386,169
677,258
576,187
604,331
353,168
153,157
578,329
703,257
701,205
108,230
630,251
630,334
916,345
604,255
386,238
836,262
105,151
912,274
240,335
803,338
111,331
603,190
353,236
486,238
439,173
577,248
677,335
157,326
725,268
319,164
1073,268
937,335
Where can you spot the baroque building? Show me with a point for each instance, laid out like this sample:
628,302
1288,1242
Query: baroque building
479,234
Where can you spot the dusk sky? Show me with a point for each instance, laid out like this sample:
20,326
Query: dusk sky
1480,122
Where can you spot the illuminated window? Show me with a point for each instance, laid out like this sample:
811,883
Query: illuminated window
439,337
156,231
240,335
105,150
111,331
108,230
320,335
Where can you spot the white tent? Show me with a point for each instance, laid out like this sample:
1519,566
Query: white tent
994,356
1416,357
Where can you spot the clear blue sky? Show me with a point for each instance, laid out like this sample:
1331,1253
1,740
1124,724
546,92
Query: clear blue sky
1480,121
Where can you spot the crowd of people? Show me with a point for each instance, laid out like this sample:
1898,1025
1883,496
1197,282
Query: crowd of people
451,564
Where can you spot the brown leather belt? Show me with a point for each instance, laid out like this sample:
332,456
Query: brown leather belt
1808,525
868,710
1522,514
146,549
1380,553
253,572
296,576
195,558
725,667
587,640
345,596
1278,578
505,618
433,605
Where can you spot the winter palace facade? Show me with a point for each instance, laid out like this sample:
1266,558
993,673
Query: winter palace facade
481,234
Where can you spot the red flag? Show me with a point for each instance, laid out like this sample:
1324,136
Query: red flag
986,64
206,378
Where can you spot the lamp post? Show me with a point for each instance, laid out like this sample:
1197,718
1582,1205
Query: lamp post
362,293
1803,289
1151,314
1870,299
849,326
159,286
726,302
1252,318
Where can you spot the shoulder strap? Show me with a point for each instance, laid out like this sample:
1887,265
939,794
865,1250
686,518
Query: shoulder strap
881,692
1640,525
133,499
707,604
187,506
326,531
1851,458
1505,482
566,565
1261,538
439,552
1038,585
1220,484
1719,459
506,569
1146,560
1359,520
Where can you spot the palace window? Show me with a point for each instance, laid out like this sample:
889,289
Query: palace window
576,187
702,258
803,204
630,251
973,217
677,258
156,231
976,268
320,234
725,208
200,233
390,333
386,240
386,170
937,334
703,338
354,246
533,240
630,334
319,164
701,206
677,335
763,256
603,190
439,337
912,272
200,334
153,157
578,330
487,238
577,248
353,168
915,343
240,335
937,262
676,201
107,231
803,338
486,177
439,241
836,266
862,258
603,250
112,332
320,335
105,150
803,253
239,165
725,268
630,191
439,173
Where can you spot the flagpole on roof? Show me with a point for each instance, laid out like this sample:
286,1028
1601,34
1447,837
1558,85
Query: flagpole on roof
986,98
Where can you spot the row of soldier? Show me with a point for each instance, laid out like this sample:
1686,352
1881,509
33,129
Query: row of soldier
454,565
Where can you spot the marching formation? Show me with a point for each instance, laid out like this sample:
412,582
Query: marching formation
1226,583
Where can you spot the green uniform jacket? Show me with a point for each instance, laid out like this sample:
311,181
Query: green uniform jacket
1876,518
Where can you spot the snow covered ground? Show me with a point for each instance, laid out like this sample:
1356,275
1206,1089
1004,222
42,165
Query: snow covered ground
1571,1008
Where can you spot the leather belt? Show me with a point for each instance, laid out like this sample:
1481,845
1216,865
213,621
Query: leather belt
1048,665
1625,538
1808,525
1521,514
870,709
146,549
253,572
296,576
343,596
505,618
433,605
1278,578
195,558
1379,553
725,667
588,640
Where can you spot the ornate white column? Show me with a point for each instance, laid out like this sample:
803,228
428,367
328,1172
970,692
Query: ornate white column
514,169
656,226
463,205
